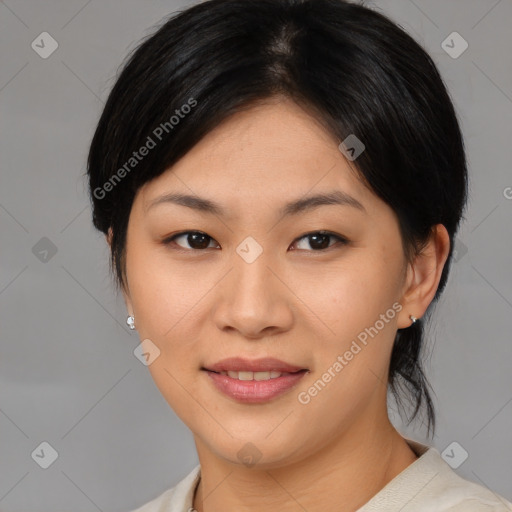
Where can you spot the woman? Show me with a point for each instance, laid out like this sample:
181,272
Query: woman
280,183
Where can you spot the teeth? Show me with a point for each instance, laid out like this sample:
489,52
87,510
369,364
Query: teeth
253,375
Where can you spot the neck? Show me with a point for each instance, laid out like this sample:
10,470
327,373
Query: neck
349,471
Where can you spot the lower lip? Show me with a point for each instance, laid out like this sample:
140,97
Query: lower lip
255,391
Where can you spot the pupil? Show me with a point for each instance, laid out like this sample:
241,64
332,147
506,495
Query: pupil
193,239
314,240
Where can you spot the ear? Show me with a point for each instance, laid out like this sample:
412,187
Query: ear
423,276
108,237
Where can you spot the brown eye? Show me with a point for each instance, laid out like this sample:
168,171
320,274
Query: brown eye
316,241
195,239
320,240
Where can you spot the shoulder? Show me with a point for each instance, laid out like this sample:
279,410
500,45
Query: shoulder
430,484
452,493
177,499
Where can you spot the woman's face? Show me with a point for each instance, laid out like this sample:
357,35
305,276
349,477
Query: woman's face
253,285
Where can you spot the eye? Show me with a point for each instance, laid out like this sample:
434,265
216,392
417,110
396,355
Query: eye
195,239
319,240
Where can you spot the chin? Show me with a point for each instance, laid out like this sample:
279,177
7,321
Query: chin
255,453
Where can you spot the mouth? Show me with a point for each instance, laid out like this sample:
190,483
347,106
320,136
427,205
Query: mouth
258,376
254,381
253,369
252,391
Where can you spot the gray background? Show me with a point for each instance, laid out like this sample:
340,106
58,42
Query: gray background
68,375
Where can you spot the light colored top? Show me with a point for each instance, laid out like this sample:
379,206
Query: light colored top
429,484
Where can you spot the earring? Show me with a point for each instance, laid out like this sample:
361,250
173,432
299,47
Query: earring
413,318
131,322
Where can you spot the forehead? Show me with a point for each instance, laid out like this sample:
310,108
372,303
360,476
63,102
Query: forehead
269,153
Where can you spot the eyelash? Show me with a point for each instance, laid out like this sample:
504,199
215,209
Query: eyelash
341,240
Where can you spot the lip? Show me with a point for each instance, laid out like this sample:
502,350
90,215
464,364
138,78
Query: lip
255,391
240,364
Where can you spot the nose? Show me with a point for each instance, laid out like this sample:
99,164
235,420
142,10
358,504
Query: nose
253,300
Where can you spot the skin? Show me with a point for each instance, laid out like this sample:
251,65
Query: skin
294,302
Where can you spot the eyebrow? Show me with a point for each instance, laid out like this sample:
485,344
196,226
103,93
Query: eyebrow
295,207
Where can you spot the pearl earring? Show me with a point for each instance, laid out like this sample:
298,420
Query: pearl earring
131,322
413,318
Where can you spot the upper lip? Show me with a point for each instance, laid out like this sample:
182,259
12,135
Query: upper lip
266,364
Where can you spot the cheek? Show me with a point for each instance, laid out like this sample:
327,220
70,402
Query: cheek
168,298
166,301
357,308
353,336
351,296
165,294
